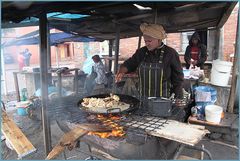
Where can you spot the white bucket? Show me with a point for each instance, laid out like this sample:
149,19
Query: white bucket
213,113
23,104
220,72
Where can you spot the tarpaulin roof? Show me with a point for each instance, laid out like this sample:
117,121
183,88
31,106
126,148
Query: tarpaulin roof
55,38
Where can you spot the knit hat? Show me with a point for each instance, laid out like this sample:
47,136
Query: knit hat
154,30
96,57
196,36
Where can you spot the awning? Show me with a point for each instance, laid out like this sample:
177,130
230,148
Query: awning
55,38
101,20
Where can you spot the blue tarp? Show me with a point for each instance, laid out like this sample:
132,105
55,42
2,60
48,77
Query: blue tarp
55,38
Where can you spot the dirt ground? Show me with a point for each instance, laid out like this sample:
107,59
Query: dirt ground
33,130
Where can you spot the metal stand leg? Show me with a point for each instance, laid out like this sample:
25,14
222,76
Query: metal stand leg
178,151
182,146
201,149
64,155
91,157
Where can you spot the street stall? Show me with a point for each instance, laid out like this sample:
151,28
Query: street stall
134,130
140,129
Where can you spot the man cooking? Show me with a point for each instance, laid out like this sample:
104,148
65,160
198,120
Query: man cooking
159,68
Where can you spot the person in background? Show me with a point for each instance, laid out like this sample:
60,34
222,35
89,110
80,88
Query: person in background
196,52
27,56
159,68
20,59
97,78
99,68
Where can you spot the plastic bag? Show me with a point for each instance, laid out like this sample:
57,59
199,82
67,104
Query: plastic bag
205,94
201,96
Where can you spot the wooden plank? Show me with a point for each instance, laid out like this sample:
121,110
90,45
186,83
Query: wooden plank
15,136
180,132
174,130
227,121
184,157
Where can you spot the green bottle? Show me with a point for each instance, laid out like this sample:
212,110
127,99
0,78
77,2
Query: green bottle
24,94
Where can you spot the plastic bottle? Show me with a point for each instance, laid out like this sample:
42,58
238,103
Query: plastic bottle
24,94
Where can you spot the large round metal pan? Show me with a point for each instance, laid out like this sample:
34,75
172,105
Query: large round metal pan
132,101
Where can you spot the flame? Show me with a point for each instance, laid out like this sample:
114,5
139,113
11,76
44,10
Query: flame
117,130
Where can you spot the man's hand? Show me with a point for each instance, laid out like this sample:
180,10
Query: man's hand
118,77
122,70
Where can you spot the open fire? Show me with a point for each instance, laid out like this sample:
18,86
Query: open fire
109,121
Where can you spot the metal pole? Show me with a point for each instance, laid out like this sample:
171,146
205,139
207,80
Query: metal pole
57,56
139,41
16,85
3,72
75,85
238,57
44,81
48,48
155,16
59,74
116,49
49,64
110,55
219,43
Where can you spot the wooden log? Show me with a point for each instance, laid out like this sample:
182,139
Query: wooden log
72,136
15,136
58,149
67,139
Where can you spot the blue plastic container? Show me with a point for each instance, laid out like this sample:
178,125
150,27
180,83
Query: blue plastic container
22,107
201,105
22,111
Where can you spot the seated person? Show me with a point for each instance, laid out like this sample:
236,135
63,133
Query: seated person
97,78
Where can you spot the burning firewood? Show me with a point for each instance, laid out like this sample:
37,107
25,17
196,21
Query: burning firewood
69,139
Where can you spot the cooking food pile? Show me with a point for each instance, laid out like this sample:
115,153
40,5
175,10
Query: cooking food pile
103,104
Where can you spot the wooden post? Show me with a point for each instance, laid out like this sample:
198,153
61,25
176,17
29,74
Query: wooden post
233,89
116,49
110,55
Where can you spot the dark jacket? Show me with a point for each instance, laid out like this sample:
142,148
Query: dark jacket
171,65
202,52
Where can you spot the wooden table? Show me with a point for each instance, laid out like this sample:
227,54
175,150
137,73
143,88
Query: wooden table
228,125
227,121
